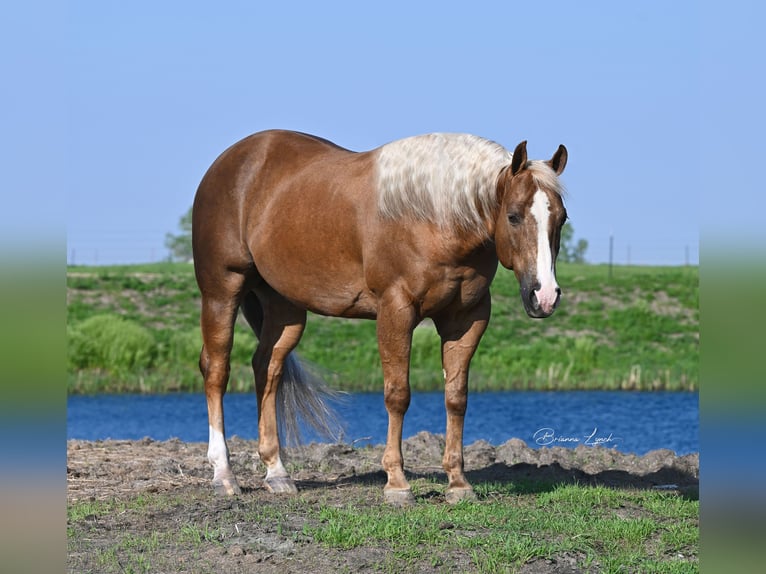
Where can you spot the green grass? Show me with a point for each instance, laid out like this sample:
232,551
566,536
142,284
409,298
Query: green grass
512,524
615,529
638,329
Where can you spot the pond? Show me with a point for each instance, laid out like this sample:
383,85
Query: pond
634,422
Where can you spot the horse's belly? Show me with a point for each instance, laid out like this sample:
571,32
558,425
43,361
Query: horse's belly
320,291
347,302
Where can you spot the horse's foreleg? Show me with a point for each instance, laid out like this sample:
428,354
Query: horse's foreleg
217,322
394,328
460,333
282,329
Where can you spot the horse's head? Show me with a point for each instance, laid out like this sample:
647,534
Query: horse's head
528,226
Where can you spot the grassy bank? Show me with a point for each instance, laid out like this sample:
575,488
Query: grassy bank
135,328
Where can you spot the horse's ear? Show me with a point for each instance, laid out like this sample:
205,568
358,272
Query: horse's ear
519,158
559,160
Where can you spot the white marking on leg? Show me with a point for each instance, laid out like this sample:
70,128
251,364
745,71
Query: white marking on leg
547,295
217,451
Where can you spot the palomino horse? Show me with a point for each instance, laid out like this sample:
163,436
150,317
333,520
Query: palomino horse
285,222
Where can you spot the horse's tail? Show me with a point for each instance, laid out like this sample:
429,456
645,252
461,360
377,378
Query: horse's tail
302,394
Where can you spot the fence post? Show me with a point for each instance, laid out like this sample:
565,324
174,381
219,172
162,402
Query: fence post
611,251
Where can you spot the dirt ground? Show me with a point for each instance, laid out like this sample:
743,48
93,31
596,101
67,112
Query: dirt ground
326,474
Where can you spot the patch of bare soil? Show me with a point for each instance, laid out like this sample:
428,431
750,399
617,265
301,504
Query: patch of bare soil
326,475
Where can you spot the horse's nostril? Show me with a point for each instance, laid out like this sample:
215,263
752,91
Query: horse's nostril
533,300
558,298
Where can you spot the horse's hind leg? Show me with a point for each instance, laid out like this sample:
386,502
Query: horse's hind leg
219,311
281,330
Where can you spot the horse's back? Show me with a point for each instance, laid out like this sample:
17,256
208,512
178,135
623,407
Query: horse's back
235,170
244,179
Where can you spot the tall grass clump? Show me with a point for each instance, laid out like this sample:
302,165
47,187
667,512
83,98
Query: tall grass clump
110,343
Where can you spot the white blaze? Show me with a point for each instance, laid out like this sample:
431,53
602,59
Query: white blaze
548,292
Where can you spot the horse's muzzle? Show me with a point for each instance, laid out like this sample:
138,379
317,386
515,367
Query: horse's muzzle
534,307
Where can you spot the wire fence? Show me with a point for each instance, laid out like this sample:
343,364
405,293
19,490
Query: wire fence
120,250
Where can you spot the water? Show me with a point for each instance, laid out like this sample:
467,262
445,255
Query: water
627,421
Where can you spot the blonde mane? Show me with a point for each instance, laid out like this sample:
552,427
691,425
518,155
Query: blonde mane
447,179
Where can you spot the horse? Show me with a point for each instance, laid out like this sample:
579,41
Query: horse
285,222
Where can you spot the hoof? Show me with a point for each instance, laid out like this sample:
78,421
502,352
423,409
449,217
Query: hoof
226,487
399,497
455,495
280,485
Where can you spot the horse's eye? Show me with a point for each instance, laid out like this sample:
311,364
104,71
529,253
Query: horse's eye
514,219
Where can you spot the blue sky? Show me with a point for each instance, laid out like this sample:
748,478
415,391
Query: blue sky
154,91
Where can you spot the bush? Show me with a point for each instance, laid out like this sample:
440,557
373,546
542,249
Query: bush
111,343
180,347
426,349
